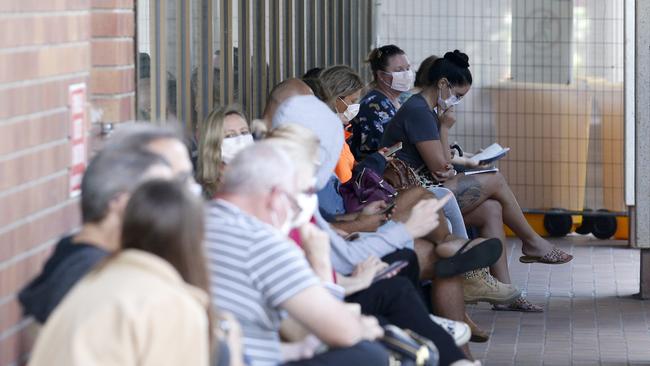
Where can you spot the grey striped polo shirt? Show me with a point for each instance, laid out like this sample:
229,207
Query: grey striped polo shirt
253,270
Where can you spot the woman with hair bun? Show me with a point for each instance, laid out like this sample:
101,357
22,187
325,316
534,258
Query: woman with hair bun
422,124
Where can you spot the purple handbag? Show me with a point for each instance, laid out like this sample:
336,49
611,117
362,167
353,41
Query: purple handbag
364,188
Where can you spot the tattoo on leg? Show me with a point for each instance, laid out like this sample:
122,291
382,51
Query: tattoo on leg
468,191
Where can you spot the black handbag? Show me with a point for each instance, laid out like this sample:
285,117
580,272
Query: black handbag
408,348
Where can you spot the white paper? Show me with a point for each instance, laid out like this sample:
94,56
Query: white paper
491,153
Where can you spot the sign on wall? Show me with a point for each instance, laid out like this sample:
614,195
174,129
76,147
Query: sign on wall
77,102
542,34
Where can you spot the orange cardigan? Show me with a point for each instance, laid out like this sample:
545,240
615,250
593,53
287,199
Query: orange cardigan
343,169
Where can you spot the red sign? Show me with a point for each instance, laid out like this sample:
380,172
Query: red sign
77,95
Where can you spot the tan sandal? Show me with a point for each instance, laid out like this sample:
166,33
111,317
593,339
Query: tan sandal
521,305
555,256
478,334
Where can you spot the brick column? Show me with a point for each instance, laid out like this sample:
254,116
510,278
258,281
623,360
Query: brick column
45,46
113,77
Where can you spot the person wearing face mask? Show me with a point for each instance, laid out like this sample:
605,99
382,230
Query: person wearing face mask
344,86
421,80
222,136
393,300
259,275
391,239
486,201
392,76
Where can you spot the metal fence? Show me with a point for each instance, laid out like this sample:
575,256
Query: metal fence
206,53
548,82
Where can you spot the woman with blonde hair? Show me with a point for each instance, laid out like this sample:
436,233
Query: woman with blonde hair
222,135
344,87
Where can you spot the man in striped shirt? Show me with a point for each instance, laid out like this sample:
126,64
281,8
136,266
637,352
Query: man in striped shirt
258,274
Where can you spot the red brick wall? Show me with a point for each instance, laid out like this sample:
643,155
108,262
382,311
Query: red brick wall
45,46
112,81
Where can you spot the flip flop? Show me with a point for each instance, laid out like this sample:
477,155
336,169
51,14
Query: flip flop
521,305
483,254
555,256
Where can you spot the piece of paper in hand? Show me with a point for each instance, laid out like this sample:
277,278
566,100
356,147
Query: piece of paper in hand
491,153
481,171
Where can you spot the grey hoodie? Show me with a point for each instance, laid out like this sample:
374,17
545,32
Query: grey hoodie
308,111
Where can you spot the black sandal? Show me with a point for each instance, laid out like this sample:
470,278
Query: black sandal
484,254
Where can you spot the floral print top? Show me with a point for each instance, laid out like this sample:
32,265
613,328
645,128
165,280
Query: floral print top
375,111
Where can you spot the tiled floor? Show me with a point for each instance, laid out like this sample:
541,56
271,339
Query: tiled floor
591,316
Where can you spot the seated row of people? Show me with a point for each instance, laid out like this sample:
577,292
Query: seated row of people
274,270
147,294
390,114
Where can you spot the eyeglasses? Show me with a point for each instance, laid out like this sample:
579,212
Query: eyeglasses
458,97
292,199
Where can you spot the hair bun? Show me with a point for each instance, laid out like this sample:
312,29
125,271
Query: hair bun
458,58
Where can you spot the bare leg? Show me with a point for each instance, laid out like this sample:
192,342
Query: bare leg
407,199
473,190
446,293
404,204
446,244
487,217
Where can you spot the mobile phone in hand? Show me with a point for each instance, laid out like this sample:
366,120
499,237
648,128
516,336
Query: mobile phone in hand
393,267
393,149
389,209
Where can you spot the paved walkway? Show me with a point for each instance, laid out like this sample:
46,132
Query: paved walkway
591,317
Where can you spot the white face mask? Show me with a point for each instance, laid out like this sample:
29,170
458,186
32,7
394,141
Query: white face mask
286,226
449,102
196,189
402,80
308,202
233,145
351,111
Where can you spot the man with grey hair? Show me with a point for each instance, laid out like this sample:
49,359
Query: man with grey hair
105,190
257,273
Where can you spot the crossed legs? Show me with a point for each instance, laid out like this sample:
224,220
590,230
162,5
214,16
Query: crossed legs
472,191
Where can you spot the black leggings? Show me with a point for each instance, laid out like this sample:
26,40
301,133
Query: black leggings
363,353
396,301
412,271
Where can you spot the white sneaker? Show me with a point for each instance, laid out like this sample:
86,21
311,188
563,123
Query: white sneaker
459,331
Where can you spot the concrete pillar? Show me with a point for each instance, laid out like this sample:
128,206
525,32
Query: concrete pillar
642,140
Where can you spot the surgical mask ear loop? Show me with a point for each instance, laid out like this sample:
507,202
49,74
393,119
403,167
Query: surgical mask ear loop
384,81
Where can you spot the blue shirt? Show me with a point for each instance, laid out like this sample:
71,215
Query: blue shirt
414,122
346,255
375,111
330,202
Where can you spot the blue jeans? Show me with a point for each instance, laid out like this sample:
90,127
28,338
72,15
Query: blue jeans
452,212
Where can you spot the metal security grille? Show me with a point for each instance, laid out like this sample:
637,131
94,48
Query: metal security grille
208,53
548,82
